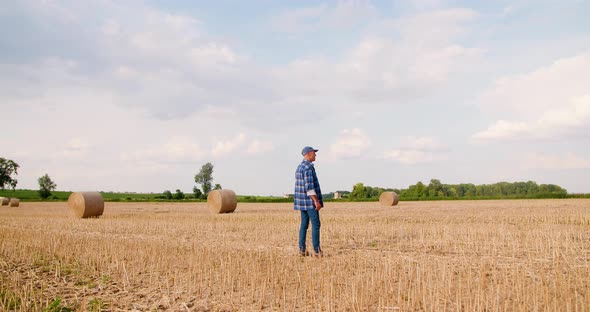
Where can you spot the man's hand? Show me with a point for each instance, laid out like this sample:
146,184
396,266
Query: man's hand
317,205
316,202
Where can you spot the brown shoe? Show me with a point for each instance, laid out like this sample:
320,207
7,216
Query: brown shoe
318,254
304,253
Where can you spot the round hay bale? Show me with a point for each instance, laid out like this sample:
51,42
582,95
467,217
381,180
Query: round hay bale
222,201
14,202
5,200
86,204
388,199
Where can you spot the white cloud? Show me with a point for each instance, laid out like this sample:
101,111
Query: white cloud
410,157
349,12
423,5
182,149
159,34
155,94
213,53
437,26
571,120
240,144
546,88
126,72
111,28
344,13
223,148
551,102
385,68
259,147
174,150
165,66
297,20
576,114
141,57
554,162
350,143
420,143
508,10
415,150
504,130
74,149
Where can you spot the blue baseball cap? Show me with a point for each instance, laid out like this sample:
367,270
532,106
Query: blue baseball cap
308,149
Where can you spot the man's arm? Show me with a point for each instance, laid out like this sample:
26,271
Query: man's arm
310,186
316,202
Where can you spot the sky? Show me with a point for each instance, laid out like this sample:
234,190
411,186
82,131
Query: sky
135,96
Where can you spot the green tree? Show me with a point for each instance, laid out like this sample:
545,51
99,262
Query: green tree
532,188
470,190
7,169
197,192
205,177
551,189
480,190
374,192
179,194
452,192
217,186
46,185
167,194
421,190
435,188
359,191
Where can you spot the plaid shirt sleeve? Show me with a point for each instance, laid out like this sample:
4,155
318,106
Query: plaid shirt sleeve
305,180
308,177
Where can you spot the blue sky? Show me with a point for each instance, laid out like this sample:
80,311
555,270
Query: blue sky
137,95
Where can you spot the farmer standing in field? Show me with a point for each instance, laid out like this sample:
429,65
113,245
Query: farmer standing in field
308,200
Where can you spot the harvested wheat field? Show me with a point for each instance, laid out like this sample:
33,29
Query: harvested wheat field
521,255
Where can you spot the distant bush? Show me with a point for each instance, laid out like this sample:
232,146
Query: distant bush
418,192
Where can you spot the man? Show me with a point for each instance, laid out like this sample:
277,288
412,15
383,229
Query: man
308,200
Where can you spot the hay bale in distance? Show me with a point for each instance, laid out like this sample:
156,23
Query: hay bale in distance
86,204
14,202
222,201
388,199
4,200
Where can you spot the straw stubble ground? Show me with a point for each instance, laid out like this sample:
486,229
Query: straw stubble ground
420,256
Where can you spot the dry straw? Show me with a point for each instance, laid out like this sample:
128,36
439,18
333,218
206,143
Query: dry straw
5,200
86,204
222,201
388,199
14,202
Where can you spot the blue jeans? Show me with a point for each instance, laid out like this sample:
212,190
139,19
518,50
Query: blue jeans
314,216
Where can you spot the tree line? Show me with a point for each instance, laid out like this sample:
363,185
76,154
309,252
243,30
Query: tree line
9,167
419,191
437,190
9,171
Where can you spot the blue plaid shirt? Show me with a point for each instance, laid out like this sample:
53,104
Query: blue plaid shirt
305,180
